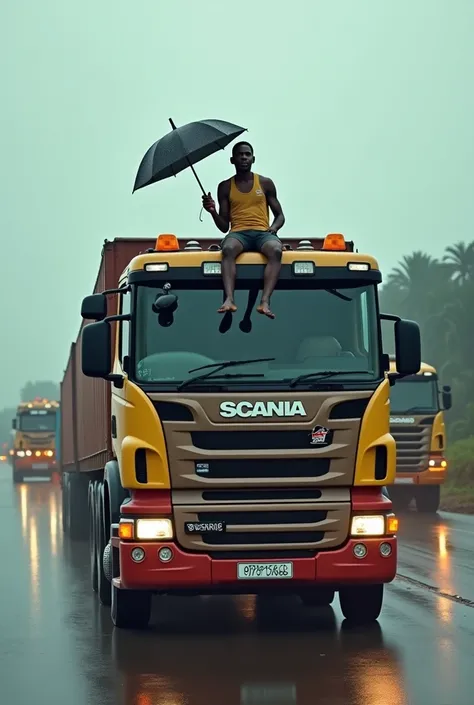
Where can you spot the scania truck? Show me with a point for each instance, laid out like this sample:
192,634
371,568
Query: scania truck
204,453
417,406
34,443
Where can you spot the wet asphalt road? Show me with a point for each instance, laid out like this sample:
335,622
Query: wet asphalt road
58,647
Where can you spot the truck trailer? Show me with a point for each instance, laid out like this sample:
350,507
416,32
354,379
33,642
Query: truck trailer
207,454
417,406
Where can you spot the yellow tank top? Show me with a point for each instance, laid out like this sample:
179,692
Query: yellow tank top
248,211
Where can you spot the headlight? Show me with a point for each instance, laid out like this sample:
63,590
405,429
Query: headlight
368,525
20,453
154,529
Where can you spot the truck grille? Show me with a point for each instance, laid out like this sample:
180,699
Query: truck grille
413,447
264,467
265,527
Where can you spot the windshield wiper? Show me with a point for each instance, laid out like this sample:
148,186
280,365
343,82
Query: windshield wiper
328,373
421,409
218,366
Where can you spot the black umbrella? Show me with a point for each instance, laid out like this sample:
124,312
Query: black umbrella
183,147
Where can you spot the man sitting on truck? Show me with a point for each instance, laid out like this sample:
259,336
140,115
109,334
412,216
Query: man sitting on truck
244,200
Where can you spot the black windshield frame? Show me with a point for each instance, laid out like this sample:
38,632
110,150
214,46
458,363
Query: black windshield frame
410,383
343,281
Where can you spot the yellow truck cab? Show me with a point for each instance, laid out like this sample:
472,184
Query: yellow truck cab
417,424
208,454
34,445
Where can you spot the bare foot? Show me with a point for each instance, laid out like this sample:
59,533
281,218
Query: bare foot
265,309
228,305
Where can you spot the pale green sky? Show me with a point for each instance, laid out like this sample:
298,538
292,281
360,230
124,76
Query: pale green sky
360,110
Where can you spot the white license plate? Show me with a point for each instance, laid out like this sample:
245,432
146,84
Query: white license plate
403,480
264,571
40,466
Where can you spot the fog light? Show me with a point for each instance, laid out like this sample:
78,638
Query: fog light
165,554
385,550
360,550
138,554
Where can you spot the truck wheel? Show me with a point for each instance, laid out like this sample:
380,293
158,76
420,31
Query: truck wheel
131,609
428,498
401,498
92,535
361,605
101,541
317,597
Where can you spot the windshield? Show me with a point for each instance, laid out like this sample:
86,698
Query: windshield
37,420
416,394
313,330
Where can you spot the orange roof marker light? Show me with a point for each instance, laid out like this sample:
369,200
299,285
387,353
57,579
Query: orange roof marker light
334,241
166,243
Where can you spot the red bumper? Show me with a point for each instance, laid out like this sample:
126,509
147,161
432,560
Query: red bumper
27,466
188,571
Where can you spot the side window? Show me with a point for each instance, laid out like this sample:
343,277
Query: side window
124,331
365,321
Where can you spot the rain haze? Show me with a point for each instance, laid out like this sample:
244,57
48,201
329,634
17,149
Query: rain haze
361,112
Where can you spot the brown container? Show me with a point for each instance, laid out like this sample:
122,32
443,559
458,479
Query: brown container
85,401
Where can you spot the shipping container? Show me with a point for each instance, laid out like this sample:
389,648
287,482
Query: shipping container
85,402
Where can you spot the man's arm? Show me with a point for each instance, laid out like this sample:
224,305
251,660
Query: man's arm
221,218
274,204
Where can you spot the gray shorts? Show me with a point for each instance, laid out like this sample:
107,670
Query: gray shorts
252,240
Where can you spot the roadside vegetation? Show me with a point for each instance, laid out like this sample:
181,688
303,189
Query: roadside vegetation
439,295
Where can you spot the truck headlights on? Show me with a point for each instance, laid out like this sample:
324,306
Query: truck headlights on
371,525
154,529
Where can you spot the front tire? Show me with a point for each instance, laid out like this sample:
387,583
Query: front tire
131,609
362,604
428,498
101,541
92,534
317,597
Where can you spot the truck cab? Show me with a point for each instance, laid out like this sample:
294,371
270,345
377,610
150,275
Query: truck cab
34,443
242,454
417,406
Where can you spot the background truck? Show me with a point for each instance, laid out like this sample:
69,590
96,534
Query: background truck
34,442
417,406
208,454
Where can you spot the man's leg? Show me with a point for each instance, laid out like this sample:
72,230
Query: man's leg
231,249
272,250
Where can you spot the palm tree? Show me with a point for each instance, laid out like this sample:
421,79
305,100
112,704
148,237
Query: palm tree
460,260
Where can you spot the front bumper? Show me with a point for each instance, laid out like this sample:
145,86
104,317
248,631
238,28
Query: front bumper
39,467
426,477
203,574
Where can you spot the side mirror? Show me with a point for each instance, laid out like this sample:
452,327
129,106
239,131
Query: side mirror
165,302
447,398
94,308
97,349
14,424
407,347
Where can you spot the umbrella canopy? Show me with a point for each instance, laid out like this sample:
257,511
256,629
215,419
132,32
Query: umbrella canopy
183,147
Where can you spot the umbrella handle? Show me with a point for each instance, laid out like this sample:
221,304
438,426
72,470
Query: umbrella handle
189,162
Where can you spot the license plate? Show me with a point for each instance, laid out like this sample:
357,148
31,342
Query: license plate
40,466
271,694
204,527
403,480
264,571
